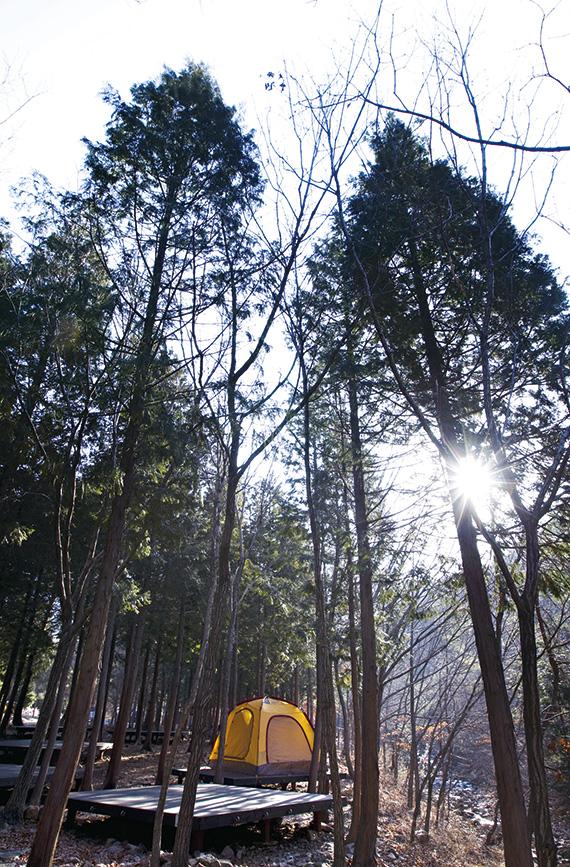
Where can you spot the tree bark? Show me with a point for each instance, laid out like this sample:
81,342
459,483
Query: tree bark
201,712
326,705
516,834
356,703
413,771
173,694
139,721
365,843
51,817
507,772
539,807
147,744
53,732
126,700
99,716
14,809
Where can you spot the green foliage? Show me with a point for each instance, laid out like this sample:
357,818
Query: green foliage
417,226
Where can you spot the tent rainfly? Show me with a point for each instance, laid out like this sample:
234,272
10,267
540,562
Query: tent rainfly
266,736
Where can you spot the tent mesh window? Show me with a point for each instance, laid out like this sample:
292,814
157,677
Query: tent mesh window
286,741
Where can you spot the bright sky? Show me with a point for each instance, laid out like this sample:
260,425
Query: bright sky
63,52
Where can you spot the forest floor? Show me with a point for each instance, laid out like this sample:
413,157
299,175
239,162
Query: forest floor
460,842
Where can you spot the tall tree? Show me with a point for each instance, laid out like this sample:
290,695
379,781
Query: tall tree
462,345
173,166
54,358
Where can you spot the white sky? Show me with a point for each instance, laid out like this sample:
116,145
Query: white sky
63,52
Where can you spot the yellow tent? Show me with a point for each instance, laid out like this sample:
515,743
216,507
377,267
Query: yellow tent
266,736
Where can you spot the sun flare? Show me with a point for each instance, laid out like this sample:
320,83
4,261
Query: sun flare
474,480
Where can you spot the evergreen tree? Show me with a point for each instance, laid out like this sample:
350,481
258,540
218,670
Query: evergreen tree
174,166
468,317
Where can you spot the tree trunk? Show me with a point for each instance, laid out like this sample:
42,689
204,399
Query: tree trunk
173,694
356,702
365,843
539,807
17,719
326,708
99,716
51,817
139,722
53,732
345,726
413,773
14,809
200,719
235,667
225,685
11,681
126,700
157,825
516,834
147,745
440,806
507,772
318,753
7,683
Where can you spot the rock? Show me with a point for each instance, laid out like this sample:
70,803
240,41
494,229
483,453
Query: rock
206,859
32,812
421,837
485,824
136,849
228,852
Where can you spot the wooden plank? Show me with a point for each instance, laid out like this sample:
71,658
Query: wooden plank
216,806
10,773
232,779
156,736
14,751
25,731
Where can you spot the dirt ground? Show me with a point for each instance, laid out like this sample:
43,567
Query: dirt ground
93,842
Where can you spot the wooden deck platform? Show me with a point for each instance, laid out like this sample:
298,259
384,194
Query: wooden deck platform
14,751
156,736
249,780
10,773
216,806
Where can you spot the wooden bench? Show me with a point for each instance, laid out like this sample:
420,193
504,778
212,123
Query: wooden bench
103,747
